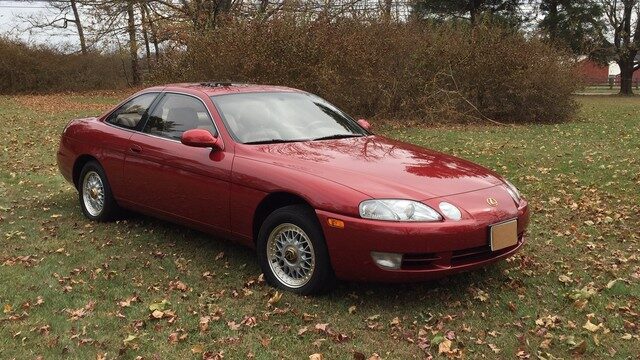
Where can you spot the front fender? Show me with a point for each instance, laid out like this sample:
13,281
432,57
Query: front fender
253,180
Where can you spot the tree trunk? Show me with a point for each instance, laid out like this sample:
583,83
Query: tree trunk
386,11
553,24
133,44
154,33
263,6
626,77
474,10
76,16
145,36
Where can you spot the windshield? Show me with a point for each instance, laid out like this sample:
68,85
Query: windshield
270,117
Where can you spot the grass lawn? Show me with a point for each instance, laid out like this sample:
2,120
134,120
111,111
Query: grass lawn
70,288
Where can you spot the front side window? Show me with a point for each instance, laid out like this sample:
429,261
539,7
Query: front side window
175,114
271,117
129,115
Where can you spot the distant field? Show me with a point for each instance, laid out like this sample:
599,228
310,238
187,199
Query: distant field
70,288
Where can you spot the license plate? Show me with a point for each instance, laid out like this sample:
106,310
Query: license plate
504,235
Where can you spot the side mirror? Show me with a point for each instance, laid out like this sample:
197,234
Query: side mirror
364,124
200,138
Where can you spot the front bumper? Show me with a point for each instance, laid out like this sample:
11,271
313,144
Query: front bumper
431,250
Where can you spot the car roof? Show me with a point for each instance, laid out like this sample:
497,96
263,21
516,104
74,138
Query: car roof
222,88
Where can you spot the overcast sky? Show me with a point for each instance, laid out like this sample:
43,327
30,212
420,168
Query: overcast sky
11,26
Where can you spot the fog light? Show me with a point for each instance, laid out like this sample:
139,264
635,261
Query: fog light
391,261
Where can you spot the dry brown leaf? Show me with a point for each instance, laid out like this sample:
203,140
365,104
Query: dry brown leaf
204,323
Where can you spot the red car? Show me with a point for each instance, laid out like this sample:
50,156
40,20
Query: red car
287,173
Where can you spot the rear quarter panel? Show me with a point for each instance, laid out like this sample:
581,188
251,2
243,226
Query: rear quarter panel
92,137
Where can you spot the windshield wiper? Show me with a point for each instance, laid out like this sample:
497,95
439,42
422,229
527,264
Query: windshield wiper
338,136
274,141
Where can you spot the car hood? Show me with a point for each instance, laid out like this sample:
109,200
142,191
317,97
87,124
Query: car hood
379,167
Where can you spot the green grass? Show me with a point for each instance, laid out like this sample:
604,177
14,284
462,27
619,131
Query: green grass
582,180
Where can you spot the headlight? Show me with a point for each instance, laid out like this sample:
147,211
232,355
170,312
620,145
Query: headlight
513,191
450,211
397,210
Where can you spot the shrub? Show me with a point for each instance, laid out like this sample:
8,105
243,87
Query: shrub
430,72
25,68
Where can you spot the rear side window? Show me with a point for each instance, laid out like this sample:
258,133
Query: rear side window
129,115
176,114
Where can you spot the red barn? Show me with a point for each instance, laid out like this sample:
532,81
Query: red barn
592,72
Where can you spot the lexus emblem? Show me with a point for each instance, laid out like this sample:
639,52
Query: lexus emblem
492,202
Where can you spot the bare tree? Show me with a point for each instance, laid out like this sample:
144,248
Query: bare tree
202,14
622,18
65,12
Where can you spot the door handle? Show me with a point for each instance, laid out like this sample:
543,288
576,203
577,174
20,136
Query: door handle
136,148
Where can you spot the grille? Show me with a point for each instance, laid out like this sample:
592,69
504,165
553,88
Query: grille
428,261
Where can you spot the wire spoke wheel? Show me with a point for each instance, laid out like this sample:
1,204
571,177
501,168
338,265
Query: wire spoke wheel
290,255
93,193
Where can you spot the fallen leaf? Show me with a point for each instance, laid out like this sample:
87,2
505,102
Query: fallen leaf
480,295
303,330
591,327
318,342
565,279
249,321
444,347
395,322
275,298
173,338
265,341
450,334
197,349
204,323
161,306
129,339
611,283
437,340
580,348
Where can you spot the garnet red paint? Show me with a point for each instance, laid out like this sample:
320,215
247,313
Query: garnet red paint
220,190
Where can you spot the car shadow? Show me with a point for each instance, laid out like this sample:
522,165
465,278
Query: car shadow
374,294
241,263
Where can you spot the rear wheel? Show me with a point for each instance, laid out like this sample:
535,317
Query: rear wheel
292,252
96,200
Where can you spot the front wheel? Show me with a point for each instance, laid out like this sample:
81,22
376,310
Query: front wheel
94,192
292,252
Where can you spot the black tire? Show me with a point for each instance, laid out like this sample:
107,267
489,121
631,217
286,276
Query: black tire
322,276
110,209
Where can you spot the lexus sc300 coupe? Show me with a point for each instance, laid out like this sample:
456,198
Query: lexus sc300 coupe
315,193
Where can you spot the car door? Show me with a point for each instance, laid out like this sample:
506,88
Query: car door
120,124
174,180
